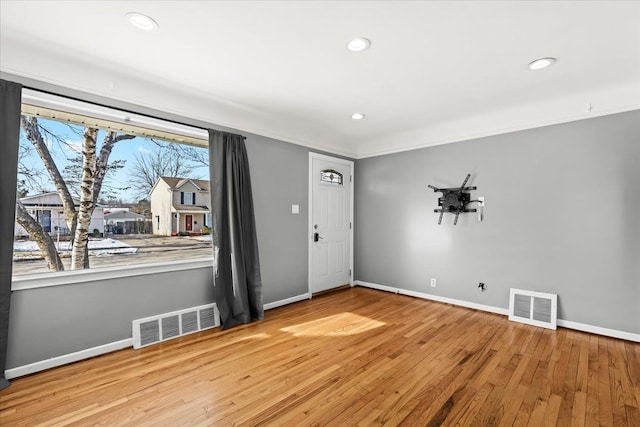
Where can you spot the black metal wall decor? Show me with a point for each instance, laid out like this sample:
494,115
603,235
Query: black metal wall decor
454,200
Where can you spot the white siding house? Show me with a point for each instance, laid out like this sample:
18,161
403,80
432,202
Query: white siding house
47,209
180,205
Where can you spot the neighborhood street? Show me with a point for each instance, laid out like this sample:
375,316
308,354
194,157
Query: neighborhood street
150,249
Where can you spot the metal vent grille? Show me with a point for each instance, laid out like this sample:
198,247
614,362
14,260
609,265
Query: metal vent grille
542,309
522,306
189,322
155,329
208,318
170,327
533,308
149,332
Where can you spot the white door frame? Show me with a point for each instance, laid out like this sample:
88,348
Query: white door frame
351,165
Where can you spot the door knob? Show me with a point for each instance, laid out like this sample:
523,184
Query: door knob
316,237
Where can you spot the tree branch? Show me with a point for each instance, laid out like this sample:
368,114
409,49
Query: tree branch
40,236
32,130
110,139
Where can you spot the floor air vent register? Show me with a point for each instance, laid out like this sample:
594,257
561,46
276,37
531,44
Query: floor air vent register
163,327
533,308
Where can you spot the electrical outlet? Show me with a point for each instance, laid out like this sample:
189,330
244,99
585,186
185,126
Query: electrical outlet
433,282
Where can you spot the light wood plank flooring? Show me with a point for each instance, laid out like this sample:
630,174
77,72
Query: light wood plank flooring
353,357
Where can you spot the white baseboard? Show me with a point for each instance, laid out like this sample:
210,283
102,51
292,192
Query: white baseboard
629,336
286,301
423,295
504,311
67,358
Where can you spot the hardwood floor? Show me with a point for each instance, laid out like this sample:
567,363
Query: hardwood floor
353,357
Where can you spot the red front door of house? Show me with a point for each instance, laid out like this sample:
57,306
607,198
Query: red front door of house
188,222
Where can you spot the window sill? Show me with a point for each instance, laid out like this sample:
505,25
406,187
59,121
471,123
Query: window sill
45,280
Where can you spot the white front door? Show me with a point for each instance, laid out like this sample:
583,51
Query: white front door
330,222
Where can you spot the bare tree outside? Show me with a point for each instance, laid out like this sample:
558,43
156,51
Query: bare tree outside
95,165
172,160
72,174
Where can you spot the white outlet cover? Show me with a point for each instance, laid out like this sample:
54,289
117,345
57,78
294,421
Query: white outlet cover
295,209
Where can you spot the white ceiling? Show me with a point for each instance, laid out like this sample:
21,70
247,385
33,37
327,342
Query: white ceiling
436,72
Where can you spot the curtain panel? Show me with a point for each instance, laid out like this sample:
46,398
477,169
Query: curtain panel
237,281
10,100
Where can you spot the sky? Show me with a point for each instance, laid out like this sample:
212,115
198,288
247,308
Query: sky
123,150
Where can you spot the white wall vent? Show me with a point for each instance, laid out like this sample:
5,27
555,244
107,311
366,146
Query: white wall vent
533,308
155,329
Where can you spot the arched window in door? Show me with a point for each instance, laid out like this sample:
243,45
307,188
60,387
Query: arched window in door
331,176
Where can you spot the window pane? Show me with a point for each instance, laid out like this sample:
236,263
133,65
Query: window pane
330,176
188,198
124,190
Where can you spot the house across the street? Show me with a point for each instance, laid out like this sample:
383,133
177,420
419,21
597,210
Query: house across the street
47,210
180,205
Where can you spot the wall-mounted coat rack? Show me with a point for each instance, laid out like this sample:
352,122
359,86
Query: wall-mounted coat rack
454,200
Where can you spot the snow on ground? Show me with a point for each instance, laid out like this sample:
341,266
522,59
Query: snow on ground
97,247
206,238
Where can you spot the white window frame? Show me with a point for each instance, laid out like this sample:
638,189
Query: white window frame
71,277
82,108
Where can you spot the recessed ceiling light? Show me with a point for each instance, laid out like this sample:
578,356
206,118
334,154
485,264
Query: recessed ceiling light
141,21
358,44
357,116
541,63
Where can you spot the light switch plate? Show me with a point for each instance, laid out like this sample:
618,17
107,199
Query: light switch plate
295,209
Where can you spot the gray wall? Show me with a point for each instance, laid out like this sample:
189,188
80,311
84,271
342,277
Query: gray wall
562,215
58,320
279,179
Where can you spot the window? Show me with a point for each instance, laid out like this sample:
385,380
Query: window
44,219
187,198
147,160
330,176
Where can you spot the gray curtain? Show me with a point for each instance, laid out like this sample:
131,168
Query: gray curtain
237,281
10,99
